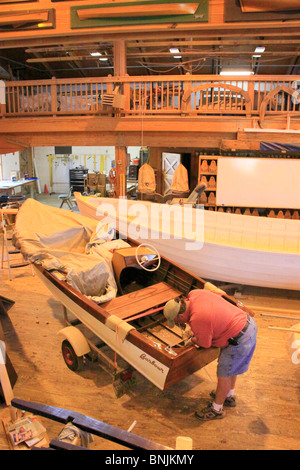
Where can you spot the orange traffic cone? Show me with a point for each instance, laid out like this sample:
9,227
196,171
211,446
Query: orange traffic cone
46,190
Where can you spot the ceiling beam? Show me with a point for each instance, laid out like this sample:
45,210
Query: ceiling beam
18,143
69,47
47,67
9,147
221,42
205,53
284,29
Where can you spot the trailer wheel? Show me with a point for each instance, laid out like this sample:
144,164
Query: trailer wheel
72,361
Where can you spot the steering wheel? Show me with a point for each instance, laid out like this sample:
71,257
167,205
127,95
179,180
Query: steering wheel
145,259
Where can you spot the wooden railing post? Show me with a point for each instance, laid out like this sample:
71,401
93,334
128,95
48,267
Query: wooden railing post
251,94
54,104
126,91
120,66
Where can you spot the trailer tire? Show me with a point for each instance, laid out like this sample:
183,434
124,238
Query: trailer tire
73,362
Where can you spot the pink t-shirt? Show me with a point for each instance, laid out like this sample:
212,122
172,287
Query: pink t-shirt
213,319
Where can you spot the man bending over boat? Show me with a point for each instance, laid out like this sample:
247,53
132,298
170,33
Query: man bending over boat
215,322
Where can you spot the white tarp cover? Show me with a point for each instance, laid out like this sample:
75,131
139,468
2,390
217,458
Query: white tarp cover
68,243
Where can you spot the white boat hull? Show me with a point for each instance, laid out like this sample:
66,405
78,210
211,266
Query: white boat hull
238,249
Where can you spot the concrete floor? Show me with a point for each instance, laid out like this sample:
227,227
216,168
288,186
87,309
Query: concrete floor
52,200
267,416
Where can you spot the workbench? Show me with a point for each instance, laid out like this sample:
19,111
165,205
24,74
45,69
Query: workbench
8,187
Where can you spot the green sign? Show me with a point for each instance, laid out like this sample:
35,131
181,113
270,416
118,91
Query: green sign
143,12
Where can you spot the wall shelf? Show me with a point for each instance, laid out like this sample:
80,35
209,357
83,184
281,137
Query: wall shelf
206,162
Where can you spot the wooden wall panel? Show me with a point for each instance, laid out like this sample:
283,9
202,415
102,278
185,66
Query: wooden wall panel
233,13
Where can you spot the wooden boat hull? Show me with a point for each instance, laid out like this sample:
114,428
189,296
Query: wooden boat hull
77,261
161,368
239,249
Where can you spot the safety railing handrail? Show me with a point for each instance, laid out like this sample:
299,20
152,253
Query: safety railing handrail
261,96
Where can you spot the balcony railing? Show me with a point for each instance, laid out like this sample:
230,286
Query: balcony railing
259,97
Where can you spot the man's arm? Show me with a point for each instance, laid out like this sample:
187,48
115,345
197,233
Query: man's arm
202,334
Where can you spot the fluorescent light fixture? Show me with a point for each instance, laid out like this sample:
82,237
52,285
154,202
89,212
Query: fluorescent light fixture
96,54
103,59
177,56
240,73
259,50
174,50
256,56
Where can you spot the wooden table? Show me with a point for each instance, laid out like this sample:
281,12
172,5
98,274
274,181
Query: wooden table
8,187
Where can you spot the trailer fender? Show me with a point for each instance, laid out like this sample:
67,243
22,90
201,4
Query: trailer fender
76,339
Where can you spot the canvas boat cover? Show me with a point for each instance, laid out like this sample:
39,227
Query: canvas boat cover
75,248
146,179
180,181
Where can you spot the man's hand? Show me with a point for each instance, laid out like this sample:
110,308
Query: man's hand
189,342
192,340
186,332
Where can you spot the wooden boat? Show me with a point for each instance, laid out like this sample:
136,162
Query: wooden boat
131,324
239,249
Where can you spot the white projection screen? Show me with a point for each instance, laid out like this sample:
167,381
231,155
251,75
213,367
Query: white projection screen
258,182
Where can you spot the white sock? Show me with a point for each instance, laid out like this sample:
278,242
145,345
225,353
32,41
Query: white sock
217,407
230,394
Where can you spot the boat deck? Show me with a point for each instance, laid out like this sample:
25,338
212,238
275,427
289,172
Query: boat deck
140,306
129,305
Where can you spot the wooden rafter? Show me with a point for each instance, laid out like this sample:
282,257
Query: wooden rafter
291,31
217,42
205,53
68,47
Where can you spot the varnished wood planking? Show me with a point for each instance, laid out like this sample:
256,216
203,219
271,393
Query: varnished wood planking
129,305
216,11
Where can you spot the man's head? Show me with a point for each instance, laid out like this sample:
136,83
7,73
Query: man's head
172,309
